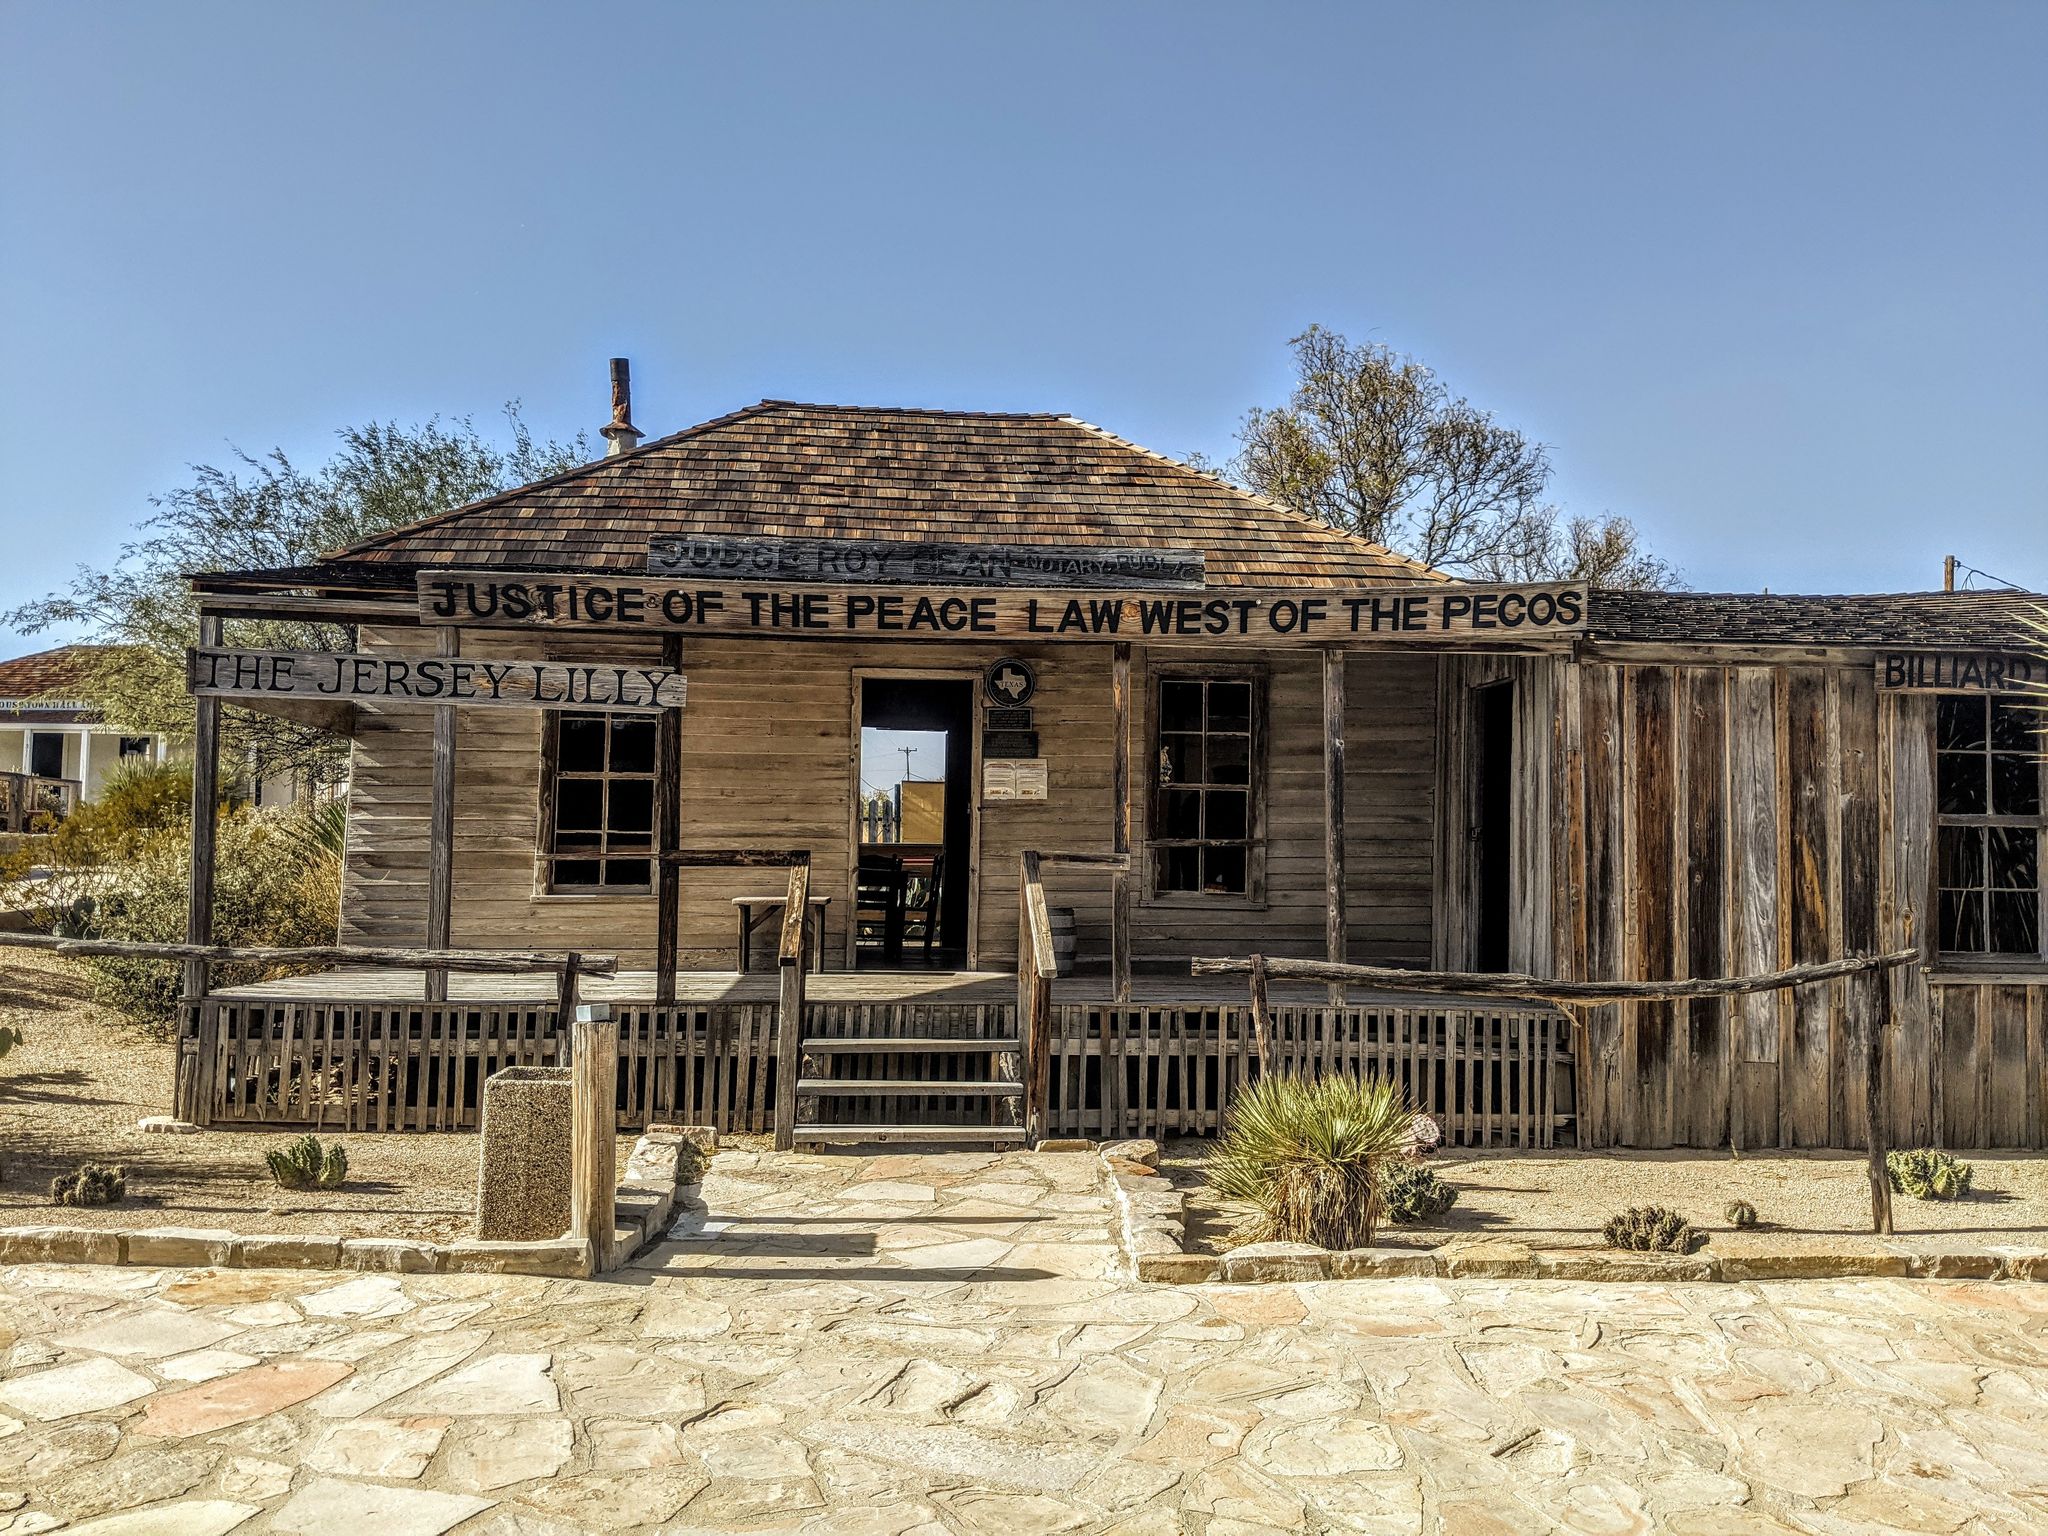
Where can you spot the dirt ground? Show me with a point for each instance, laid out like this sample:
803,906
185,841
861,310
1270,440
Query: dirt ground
1562,1199
74,1091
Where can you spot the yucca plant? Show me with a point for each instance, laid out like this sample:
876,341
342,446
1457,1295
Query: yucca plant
305,1164
1306,1156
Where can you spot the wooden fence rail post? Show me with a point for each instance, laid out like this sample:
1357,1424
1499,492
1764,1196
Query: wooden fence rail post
789,1013
1877,1026
593,1133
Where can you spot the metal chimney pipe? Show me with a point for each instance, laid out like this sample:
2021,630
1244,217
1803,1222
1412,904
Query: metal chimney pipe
619,433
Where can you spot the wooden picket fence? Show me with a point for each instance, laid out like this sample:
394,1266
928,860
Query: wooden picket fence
1495,1076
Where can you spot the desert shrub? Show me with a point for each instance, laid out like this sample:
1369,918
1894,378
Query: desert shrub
1926,1174
1649,1229
10,1037
305,1164
274,885
1410,1192
1306,1156
1740,1213
90,1185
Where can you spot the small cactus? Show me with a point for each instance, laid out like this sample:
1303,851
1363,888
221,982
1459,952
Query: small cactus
305,1164
1740,1214
90,1185
1410,1192
1928,1175
1649,1229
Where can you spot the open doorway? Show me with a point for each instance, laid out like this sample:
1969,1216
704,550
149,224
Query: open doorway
915,824
1493,711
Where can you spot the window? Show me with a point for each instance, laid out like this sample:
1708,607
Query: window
1988,772
1205,808
136,746
598,792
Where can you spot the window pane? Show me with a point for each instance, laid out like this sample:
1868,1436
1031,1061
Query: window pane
579,805
632,744
1223,871
1226,814
1962,921
2015,918
577,842
1960,777
1180,706
625,872
632,806
1958,723
1230,706
581,744
1180,869
576,872
1230,759
2015,785
1181,814
2015,864
2016,727
1962,857
1180,760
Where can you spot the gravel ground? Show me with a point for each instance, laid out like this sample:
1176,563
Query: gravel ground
1561,1199
74,1091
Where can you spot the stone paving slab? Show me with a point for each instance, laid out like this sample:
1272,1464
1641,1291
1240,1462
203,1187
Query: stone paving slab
814,1370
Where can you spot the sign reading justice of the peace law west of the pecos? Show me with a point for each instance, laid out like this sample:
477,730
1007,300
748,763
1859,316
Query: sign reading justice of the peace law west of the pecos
867,562
328,676
1962,672
1439,611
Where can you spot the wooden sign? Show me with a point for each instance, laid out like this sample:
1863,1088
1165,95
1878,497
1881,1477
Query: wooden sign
1962,672
868,562
1439,612
331,676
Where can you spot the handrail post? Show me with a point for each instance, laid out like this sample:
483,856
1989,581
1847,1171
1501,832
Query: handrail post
789,1014
593,1126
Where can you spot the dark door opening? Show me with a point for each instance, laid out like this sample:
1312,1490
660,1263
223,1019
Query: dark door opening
1493,768
916,822
46,754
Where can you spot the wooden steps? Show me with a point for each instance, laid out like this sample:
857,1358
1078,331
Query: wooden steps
977,1099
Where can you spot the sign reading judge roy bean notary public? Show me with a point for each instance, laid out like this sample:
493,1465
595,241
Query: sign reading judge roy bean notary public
327,676
1301,616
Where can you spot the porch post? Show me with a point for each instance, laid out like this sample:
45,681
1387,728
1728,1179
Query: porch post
668,876
1120,823
1333,812
441,830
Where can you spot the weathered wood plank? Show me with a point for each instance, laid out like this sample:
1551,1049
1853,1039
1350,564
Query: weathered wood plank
1804,1086
1652,879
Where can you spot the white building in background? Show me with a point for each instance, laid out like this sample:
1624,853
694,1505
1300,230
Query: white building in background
48,735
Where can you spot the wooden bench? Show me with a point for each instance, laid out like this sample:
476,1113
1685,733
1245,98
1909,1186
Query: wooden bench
814,924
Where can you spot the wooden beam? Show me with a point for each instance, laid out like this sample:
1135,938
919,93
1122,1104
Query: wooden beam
1262,1013
737,858
593,1130
1335,939
512,962
1508,987
441,831
668,879
789,1013
1120,822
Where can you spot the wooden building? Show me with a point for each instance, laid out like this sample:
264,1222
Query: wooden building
1257,734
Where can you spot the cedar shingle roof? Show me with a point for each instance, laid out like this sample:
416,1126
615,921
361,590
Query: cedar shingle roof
46,674
784,469
1881,620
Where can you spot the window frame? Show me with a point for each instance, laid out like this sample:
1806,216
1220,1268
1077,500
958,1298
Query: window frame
545,855
2037,823
1253,897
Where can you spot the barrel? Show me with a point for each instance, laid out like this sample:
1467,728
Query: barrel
1062,938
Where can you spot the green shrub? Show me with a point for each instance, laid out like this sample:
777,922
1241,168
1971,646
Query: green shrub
91,1185
1926,1174
1306,1156
1740,1213
305,1164
10,1037
1649,1229
1410,1192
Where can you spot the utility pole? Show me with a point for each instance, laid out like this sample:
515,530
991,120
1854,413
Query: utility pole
906,751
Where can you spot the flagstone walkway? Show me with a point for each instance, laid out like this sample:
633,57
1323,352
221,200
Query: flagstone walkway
917,1346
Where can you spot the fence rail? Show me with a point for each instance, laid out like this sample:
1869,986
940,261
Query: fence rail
1496,1076
29,800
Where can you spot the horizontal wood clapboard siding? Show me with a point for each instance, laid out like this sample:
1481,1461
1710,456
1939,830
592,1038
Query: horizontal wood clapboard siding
769,760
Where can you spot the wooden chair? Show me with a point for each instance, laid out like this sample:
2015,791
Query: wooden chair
922,902
878,904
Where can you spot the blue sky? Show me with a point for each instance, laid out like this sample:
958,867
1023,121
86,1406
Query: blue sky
1768,278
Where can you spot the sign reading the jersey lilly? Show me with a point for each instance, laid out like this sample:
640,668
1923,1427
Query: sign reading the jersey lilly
1440,611
329,675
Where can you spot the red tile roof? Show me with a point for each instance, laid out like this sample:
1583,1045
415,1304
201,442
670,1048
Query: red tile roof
784,469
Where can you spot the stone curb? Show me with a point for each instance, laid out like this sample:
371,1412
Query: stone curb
659,1179
1151,1225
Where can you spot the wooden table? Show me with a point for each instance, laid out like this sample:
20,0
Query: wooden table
814,923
